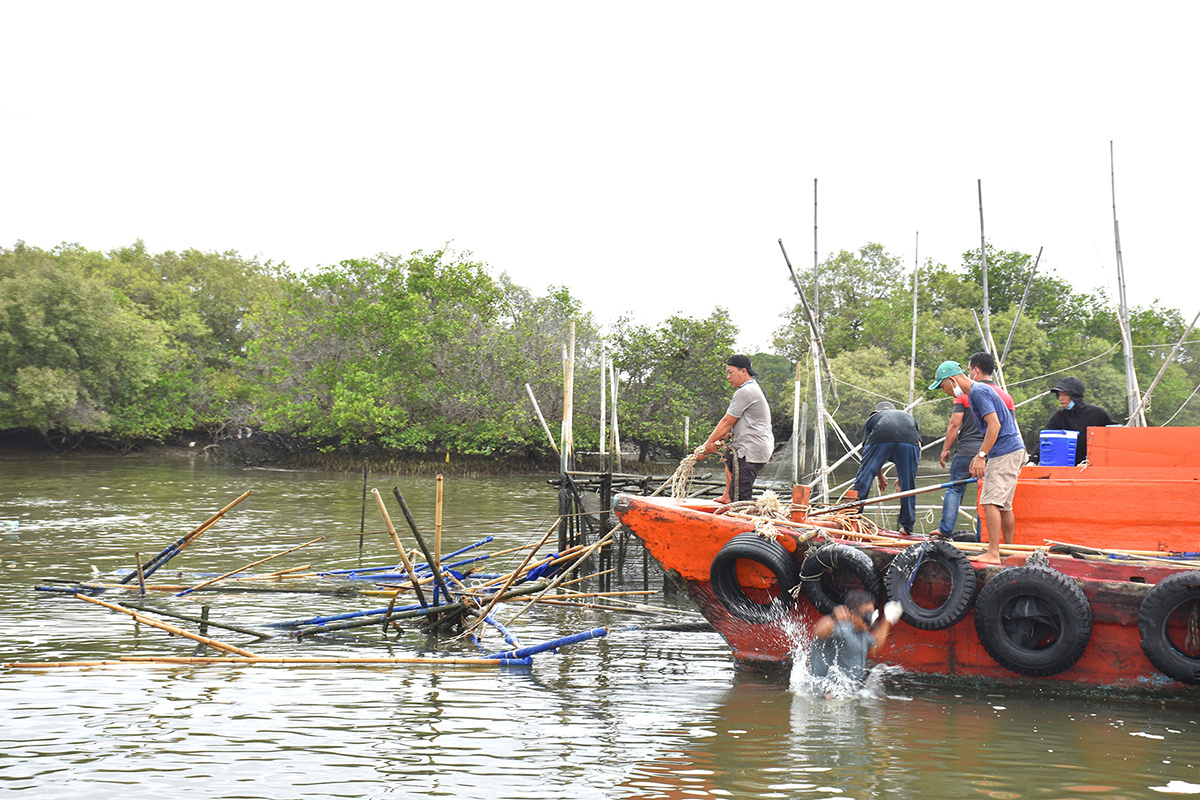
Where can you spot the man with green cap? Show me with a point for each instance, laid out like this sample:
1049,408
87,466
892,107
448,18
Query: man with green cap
1000,457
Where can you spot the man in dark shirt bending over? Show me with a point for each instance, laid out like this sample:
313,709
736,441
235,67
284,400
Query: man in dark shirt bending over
891,435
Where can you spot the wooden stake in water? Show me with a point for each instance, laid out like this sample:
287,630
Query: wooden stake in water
141,576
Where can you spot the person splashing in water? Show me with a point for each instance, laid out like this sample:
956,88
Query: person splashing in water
843,639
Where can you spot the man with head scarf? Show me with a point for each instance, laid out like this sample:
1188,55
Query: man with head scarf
1076,415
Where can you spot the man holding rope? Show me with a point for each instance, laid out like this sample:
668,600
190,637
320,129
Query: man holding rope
748,418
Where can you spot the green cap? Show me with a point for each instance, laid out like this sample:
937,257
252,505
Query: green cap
945,370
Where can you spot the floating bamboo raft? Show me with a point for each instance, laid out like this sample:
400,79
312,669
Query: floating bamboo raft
445,597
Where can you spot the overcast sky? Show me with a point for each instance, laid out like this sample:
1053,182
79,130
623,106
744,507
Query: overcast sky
645,155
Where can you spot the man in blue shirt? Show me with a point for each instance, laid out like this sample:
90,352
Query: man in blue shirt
1000,457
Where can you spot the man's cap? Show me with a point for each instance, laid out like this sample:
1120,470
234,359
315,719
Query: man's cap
947,369
741,362
884,406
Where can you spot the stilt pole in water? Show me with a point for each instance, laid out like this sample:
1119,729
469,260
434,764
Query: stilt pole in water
437,523
362,523
399,548
434,564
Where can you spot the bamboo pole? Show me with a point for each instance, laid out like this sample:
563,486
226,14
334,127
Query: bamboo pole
608,537
263,660
1020,307
140,575
435,566
511,578
912,372
198,620
173,549
541,419
987,306
1132,398
616,434
168,628
604,411
796,426
1145,398
437,523
248,566
387,520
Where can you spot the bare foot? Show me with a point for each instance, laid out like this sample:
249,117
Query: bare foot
722,500
988,558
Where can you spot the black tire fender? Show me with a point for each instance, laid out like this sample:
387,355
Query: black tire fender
821,565
750,546
1033,621
1159,606
958,570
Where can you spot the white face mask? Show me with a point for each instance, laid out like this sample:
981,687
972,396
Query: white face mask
957,391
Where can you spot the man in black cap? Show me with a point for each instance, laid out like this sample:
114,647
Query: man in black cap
891,435
1076,415
748,418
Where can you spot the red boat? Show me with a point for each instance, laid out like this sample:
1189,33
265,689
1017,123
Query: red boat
1074,612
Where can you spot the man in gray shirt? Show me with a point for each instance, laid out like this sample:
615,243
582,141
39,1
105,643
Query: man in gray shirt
748,418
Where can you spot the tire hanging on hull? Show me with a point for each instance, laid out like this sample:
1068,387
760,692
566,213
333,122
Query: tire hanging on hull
958,569
749,546
1033,621
820,567
1174,599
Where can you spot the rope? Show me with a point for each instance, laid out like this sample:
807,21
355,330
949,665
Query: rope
1065,369
1185,402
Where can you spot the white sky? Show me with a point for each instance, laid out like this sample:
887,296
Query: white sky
646,155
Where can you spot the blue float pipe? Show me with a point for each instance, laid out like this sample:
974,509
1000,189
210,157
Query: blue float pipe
594,633
338,617
458,552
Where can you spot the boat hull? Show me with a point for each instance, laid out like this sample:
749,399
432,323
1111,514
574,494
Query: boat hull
685,537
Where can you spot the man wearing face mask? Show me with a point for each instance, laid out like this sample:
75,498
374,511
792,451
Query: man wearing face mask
1000,457
1076,415
963,434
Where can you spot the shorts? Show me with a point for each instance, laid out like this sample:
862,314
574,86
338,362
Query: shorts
1000,479
742,475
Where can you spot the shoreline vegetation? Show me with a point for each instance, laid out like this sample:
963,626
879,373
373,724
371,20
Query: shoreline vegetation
401,360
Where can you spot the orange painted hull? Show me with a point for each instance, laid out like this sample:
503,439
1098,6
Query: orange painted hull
1141,491
685,537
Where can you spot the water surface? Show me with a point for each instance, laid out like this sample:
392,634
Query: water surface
639,714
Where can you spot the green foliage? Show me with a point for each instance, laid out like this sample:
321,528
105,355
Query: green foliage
74,354
674,371
423,354
430,353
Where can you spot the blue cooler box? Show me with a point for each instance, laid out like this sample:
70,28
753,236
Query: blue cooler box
1058,448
